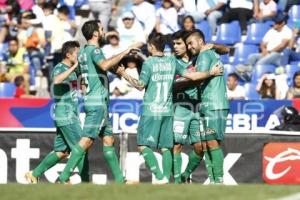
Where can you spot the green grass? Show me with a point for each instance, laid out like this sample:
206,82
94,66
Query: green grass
144,192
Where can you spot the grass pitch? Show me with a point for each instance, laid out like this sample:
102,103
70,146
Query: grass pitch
144,192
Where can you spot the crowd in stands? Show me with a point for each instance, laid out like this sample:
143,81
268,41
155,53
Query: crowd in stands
264,62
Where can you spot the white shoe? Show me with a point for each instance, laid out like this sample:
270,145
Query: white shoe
161,182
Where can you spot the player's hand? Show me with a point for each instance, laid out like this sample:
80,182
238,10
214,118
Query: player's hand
217,70
207,46
75,65
120,70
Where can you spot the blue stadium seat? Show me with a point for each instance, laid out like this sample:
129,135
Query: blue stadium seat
224,58
251,92
295,63
242,51
157,4
256,32
228,69
229,33
290,71
205,28
261,70
294,13
7,89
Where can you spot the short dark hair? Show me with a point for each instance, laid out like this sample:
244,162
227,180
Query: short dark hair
19,80
64,10
89,28
197,33
13,39
49,6
233,75
297,73
158,41
68,47
181,34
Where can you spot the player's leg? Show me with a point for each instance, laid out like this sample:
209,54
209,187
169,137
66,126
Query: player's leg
196,154
214,133
93,122
147,137
166,143
180,130
110,153
51,159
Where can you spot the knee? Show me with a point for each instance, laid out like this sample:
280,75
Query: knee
62,155
108,140
141,148
212,144
86,142
198,148
177,148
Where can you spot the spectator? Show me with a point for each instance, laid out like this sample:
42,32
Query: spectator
130,30
274,42
113,47
291,3
188,23
144,13
20,91
16,61
25,4
294,92
241,10
37,9
69,26
234,91
33,39
292,52
267,10
266,87
166,18
101,10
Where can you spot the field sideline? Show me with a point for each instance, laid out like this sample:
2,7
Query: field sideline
144,192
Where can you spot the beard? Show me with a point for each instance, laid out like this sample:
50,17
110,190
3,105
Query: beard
101,41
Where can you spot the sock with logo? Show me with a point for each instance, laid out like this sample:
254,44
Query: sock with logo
217,163
194,161
152,163
83,168
112,160
167,163
209,167
49,161
177,162
77,155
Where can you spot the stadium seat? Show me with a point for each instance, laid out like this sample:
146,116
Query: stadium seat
7,89
242,51
251,92
294,13
256,32
224,58
290,71
228,69
157,5
261,70
205,28
295,63
229,33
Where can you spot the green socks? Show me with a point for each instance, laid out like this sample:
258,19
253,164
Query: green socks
167,163
49,161
209,167
152,163
83,168
194,161
177,162
217,162
77,155
112,160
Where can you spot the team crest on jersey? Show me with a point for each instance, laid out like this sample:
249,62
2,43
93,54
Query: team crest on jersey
210,131
97,51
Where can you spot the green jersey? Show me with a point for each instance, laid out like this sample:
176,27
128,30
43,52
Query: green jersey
158,74
65,97
213,90
190,93
95,79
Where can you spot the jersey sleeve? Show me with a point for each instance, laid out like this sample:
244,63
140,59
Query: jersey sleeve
179,69
145,74
97,55
56,71
203,62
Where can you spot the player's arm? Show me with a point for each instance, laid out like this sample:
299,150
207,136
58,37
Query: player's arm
107,64
59,78
220,49
200,76
139,85
183,83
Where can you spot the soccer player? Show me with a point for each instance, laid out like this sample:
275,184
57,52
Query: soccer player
66,116
94,66
214,105
186,116
155,129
